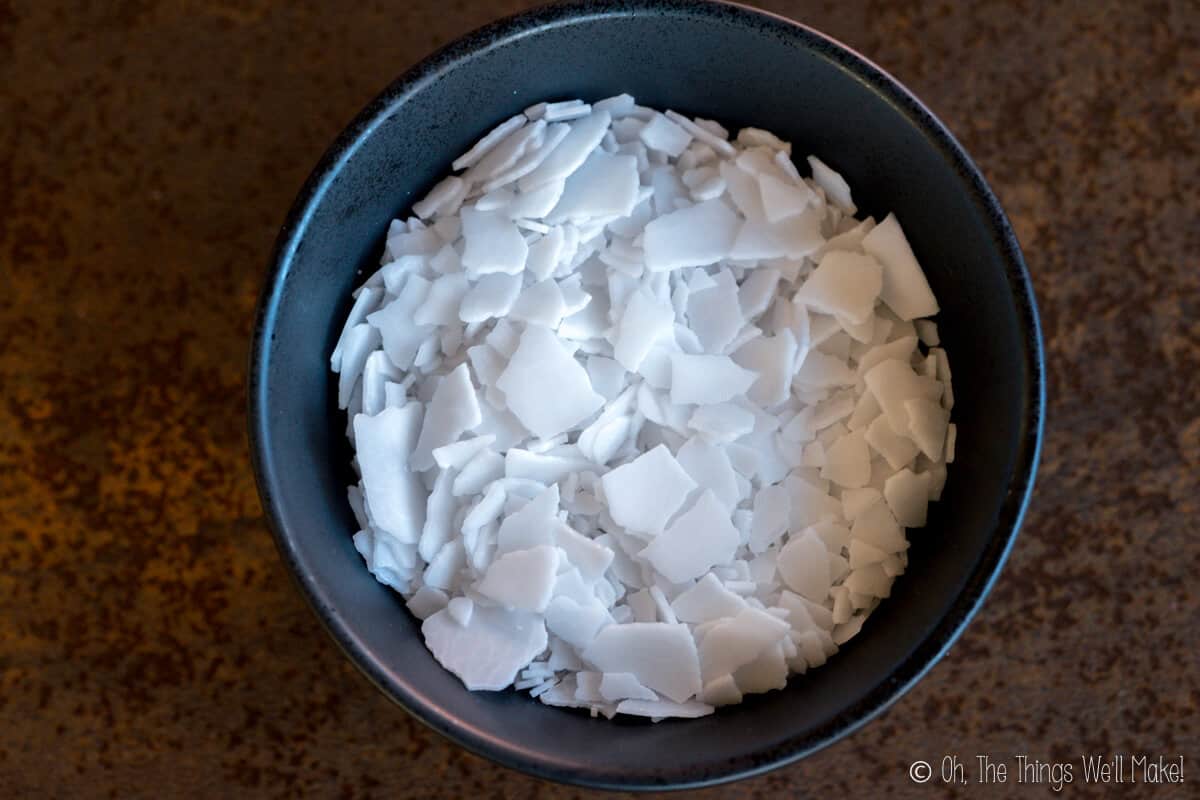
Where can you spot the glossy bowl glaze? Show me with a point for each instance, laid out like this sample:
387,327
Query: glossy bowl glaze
742,67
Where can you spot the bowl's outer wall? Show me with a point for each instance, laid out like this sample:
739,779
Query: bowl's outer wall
741,68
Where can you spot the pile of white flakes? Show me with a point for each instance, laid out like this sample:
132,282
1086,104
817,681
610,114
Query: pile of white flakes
641,413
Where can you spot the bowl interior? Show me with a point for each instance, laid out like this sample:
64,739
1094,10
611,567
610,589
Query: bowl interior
741,68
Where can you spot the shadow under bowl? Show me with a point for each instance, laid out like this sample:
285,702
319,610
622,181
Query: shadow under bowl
741,67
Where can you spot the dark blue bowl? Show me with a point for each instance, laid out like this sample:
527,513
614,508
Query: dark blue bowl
741,67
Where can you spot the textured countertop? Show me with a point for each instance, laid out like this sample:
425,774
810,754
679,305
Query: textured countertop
151,644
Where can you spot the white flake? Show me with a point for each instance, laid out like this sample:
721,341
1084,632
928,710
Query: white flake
590,558
506,153
393,493
536,203
607,376
616,686
804,566
455,456
439,515
443,569
567,109
364,304
714,313
453,410
572,151
905,289
532,525
576,623
661,657
709,466
685,294
643,494
644,322
426,602
540,304
877,527
835,186
545,387
707,600
460,610
544,254
927,422
848,461
772,511
907,495
757,291
722,422
783,200
772,359
541,467
484,145
529,160
662,134
734,642
484,467
722,691
439,197
707,379
523,579
844,284
493,243
401,335
699,539
488,651
899,451
358,344
694,236
605,186
716,142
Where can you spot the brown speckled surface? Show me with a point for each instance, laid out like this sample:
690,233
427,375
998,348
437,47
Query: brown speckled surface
151,644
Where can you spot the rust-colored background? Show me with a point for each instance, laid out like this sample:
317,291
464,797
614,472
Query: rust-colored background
151,644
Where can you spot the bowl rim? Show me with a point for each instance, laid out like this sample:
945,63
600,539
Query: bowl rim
979,583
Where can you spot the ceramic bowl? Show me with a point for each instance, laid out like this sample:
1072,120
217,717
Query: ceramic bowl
741,67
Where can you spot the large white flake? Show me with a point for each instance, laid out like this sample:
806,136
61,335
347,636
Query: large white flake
487,652
699,539
393,492
643,494
660,656
690,237
546,388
